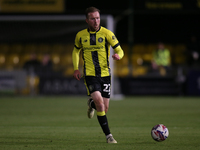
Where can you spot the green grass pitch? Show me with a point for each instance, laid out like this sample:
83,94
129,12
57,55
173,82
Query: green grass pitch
51,123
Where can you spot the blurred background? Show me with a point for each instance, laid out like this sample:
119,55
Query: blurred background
160,39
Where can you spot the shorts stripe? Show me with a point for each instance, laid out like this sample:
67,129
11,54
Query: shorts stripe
88,91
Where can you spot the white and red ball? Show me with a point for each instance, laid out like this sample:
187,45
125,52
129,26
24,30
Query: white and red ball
159,132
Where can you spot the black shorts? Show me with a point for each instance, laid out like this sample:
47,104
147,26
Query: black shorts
101,84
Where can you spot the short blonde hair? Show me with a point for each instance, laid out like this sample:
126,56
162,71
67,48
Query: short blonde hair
91,9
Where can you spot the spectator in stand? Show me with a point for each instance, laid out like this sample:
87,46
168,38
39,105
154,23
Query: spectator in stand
46,67
161,59
193,49
32,65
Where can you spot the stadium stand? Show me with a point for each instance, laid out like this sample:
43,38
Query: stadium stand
136,63
13,56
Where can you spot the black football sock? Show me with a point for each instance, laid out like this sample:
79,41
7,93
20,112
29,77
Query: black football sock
103,123
92,104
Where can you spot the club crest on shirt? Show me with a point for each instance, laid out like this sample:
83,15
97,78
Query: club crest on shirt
100,40
113,38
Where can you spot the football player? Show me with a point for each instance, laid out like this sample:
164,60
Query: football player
95,42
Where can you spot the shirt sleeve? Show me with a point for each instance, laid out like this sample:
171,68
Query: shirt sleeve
115,44
119,51
75,53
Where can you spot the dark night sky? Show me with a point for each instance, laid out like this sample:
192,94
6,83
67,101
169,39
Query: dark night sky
173,27
168,26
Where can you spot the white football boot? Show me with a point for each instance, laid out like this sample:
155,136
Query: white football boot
90,111
110,139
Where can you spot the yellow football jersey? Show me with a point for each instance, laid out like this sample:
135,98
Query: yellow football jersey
95,48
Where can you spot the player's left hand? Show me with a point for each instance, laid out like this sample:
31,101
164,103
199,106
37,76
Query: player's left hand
116,57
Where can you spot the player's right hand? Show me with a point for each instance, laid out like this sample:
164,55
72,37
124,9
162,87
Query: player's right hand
77,75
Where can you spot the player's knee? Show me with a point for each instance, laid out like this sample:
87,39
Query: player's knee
98,101
96,95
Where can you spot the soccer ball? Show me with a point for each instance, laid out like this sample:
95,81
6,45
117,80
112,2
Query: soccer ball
159,132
